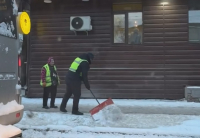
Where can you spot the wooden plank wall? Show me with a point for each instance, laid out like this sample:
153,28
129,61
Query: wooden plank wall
181,59
165,27
51,36
157,69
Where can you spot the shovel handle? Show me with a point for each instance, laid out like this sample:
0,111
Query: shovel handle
95,97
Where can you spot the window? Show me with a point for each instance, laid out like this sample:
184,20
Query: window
194,21
119,28
128,23
135,28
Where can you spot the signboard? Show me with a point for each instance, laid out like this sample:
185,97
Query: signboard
8,13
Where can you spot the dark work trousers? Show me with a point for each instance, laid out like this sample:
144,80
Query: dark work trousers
51,89
73,87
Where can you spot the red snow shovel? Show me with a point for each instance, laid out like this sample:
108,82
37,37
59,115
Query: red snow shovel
100,106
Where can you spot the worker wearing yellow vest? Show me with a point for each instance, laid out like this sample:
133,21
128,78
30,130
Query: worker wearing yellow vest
78,72
49,80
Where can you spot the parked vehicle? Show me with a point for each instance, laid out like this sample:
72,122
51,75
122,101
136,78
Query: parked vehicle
12,27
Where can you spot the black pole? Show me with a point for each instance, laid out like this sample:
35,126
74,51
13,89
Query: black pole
94,97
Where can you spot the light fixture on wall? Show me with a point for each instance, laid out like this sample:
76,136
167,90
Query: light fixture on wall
47,1
85,0
164,3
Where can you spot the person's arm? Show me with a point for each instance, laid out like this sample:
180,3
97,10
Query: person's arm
85,69
43,76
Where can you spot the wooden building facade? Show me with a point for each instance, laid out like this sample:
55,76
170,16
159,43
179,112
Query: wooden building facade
143,48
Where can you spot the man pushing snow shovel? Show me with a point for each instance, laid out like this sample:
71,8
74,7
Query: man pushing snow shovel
78,72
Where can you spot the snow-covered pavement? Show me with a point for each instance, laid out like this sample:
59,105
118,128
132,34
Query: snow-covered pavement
126,105
141,119
59,125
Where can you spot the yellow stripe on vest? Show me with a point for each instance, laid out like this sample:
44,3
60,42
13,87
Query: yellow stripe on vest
74,66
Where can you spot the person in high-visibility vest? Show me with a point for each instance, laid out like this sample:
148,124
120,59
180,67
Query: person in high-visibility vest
78,72
49,81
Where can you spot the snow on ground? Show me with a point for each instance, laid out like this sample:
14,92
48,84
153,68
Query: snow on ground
143,125
128,120
126,105
51,123
55,134
108,114
122,102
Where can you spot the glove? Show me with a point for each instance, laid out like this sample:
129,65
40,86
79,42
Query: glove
44,84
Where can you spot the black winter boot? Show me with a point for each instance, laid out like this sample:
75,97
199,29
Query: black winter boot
63,110
53,106
45,107
77,113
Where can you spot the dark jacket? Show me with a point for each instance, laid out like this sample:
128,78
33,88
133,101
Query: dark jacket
84,68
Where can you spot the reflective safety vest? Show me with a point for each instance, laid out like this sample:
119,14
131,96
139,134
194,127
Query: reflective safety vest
74,66
48,76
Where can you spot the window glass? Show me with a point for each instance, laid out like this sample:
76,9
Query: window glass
135,28
119,28
194,21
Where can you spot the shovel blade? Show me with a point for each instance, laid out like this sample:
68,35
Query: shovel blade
101,106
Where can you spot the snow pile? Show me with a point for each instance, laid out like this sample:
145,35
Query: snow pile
109,115
9,131
37,128
10,107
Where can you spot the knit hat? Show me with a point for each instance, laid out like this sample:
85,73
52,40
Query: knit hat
49,60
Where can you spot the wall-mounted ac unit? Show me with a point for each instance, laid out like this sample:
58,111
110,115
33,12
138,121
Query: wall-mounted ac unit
80,23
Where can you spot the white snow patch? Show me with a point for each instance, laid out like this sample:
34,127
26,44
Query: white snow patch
21,37
15,7
128,120
176,126
6,29
10,107
1,104
9,131
30,133
18,87
6,49
19,50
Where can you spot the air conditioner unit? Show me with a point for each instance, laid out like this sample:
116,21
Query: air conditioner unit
80,23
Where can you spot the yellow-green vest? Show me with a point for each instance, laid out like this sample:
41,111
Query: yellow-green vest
48,76
75,64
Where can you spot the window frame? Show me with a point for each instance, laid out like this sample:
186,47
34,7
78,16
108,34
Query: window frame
126,26
188,27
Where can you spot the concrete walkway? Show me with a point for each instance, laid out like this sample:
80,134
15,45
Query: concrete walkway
127,106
